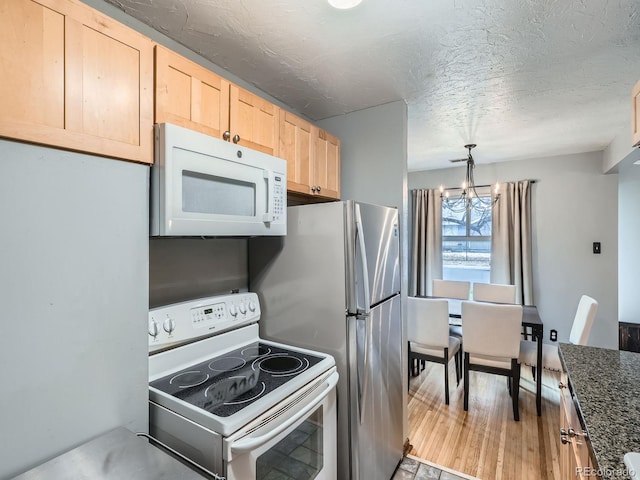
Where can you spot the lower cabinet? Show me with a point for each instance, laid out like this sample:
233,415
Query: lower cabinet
575,459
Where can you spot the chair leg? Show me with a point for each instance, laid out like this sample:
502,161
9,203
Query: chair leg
466,381
457,362
446,376
509,388
533,372
515,372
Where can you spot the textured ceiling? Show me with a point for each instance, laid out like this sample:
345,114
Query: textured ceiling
522,79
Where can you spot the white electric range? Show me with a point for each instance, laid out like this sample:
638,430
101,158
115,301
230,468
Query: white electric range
239,406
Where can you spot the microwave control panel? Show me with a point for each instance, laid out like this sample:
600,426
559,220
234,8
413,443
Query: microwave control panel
182,322
279,196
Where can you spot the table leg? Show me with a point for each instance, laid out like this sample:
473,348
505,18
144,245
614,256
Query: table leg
538,333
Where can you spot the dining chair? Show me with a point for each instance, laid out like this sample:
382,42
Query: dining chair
491,334
497,293
452,289
428,335
580,329
494,292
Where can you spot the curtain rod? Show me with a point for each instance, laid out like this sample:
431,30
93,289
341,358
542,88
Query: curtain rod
477,186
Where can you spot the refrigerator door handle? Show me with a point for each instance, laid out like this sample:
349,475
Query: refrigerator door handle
364,314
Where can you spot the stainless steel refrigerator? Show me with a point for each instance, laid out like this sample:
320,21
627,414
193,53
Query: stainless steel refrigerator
333,284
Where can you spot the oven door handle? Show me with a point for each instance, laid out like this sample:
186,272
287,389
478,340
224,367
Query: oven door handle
249,443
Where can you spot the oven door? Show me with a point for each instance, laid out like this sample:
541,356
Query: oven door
296,440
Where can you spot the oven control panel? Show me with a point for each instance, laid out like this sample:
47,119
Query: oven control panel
182,322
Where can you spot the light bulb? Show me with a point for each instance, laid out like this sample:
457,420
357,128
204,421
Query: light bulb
344,4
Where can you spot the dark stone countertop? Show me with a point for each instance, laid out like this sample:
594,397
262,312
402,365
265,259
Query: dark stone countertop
606,384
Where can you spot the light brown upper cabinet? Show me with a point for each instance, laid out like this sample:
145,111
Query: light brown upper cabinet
635,113
313,158
326,164
297,148
76,79
191,96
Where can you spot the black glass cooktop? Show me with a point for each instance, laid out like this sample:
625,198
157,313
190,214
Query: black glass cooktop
226,384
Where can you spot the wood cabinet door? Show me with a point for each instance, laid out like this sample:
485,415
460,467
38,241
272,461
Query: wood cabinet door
76,79
575,459
296,147
326,164
635,120
254,120
189,95
32,66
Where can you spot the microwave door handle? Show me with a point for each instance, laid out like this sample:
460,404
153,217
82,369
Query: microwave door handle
269,216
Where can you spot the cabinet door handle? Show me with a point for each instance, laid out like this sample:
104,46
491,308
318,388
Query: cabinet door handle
226,135
564,440
236,138
561,385
318,188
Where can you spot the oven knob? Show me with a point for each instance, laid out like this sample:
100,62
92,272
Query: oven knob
169,325
252,306
153,328
232,310
243,309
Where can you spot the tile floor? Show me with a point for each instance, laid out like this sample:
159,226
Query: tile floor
413,469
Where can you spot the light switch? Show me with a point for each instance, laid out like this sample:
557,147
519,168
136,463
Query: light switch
596,247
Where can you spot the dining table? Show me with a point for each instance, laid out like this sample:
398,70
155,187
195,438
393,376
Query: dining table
530,319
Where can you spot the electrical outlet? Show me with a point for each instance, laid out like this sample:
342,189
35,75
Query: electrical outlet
596,247
553,335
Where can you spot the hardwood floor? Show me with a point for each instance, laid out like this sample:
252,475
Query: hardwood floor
486,442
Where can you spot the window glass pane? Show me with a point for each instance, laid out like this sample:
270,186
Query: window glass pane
466,240
480,222
454,220
298,456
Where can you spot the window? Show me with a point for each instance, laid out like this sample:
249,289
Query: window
466,239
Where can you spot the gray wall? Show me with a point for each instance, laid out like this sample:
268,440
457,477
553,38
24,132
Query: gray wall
73,290
185,268
573,205
629,235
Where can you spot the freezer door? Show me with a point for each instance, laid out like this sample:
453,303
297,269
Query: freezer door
376,391
379,229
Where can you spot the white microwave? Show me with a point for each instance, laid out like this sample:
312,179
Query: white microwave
204,186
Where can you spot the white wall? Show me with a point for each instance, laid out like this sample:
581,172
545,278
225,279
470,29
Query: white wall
74,293
629,236
573,205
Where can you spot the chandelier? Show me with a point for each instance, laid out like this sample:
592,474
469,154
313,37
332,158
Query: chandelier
468,197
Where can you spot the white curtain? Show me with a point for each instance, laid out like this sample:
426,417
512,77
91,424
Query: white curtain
511,239
426,253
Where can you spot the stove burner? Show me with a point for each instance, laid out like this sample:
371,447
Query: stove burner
231,389
250,395
256,351
251,374
189,379
227,364
281,365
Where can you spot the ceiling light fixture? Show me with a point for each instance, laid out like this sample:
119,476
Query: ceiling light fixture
468,193
344,4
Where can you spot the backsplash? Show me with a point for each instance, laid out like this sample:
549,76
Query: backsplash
187,268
